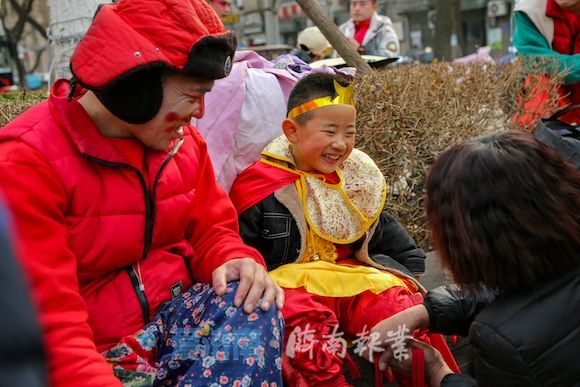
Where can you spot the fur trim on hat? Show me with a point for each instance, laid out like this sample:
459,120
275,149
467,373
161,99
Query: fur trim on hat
135,98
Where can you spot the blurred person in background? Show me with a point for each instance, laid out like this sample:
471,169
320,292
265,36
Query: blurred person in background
550,29
368,32
221,7
311,45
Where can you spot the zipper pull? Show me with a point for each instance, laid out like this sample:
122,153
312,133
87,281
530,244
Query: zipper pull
139,278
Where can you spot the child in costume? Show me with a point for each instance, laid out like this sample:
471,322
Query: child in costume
314,207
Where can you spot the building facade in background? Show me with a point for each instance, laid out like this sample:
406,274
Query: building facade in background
481,23
278,22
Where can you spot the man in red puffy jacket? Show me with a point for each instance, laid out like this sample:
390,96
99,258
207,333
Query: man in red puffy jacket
113,194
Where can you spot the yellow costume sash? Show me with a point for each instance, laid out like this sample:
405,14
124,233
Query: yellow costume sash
331,280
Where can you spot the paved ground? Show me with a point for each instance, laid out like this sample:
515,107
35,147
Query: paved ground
434,276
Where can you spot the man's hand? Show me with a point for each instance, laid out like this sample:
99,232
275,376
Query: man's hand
254,283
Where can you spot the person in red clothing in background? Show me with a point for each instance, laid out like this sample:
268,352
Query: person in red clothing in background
550,29
113,193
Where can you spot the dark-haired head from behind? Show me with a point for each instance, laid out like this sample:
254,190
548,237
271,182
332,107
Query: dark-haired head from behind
312,86
504,212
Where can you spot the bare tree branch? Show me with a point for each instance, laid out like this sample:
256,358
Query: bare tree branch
14,33
336,38
23,11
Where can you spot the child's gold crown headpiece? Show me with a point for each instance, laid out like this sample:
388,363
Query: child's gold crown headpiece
344,97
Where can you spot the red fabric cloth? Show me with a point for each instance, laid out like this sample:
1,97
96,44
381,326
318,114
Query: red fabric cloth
82,222
360,30
566,29
260,180
357,314
133,152
535,107
566,41
256,183
344,251
418,366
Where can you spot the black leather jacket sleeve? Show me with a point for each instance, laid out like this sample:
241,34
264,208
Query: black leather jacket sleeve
392,240
452,310
453,380
269,227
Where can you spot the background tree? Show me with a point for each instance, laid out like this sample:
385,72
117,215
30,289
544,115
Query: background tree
15,16
69,20
448,23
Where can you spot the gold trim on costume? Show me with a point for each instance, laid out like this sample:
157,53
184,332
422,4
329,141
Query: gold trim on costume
344,97
335,213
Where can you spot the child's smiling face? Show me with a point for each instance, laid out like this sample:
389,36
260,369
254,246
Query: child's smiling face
324,141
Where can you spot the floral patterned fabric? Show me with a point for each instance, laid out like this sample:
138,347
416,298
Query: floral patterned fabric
202,339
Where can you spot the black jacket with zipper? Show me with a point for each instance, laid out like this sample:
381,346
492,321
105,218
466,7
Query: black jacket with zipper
526,338
270,228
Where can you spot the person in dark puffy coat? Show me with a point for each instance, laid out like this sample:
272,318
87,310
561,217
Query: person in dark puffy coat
22,358
503,213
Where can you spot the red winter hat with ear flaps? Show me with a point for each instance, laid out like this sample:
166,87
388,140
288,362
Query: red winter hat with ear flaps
129,44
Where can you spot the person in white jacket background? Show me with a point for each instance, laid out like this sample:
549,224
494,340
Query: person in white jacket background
369,32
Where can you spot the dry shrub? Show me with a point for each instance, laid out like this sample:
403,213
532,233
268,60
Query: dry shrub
11,105
409,114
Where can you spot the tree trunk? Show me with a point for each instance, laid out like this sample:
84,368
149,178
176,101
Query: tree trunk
447,22
13,49
456,7
69,20
336,38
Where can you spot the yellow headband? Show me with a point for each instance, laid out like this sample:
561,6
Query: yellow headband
344,97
